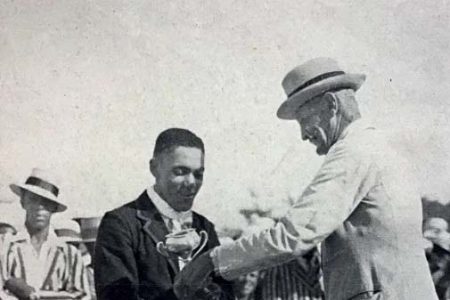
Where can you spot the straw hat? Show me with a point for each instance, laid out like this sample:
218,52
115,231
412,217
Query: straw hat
68,231
89,228
43,184
312,79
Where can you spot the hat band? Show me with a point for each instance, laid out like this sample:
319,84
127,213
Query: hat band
43,184
315,80
89,233
68,233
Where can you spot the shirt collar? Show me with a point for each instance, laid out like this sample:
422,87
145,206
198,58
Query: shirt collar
52,238
165,209
354,126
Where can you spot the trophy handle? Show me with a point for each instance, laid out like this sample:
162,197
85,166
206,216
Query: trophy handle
161,248
204,240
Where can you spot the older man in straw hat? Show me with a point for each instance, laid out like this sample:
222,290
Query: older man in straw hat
362,204
38,263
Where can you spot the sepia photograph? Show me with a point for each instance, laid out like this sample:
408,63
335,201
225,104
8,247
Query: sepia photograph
227,150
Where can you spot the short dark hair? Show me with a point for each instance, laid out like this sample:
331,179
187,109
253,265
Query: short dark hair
177,137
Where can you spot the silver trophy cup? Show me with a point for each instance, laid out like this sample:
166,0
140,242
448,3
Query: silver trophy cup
185,244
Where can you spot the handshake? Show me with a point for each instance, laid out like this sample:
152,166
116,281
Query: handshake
195,280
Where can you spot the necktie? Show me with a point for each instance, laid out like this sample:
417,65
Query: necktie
175,225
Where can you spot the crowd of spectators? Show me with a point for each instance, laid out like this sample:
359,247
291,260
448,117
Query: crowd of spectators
299,279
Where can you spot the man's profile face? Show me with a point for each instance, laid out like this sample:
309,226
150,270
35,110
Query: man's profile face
38,210
179,175
244,285
314,119
436,231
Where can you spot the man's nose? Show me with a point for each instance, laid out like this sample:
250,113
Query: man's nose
189,179
39,205
303,133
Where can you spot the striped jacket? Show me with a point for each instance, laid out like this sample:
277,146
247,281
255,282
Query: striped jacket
63,268
295,280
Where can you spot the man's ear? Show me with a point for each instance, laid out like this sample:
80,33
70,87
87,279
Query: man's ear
331,102
153,166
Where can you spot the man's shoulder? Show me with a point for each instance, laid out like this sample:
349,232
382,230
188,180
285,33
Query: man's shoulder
127,209
361,140
204,221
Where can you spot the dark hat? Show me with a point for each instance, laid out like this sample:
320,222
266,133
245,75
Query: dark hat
89,228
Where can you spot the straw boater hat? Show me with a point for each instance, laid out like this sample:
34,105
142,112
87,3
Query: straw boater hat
68,231
312,79
43,184
89,228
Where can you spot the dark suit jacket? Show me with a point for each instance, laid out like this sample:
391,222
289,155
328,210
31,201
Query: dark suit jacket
127,264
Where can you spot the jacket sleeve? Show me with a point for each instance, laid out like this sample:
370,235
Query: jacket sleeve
116,275
225,287
340,184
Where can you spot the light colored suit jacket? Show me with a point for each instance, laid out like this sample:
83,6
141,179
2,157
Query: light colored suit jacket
364,208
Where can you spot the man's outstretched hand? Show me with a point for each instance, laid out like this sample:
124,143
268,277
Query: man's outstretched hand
194,277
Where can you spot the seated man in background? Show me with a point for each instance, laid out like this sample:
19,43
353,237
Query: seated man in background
89,229
7,231
70,232
37,261
438,255
436,231
244,286
129,264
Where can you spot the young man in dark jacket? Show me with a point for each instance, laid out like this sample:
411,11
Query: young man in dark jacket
129,264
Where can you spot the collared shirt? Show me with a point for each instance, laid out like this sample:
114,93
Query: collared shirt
36,261
56,267
173,219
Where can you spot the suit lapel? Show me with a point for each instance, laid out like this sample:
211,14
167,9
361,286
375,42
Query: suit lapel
154,224
200,226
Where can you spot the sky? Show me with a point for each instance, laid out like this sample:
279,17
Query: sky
86,86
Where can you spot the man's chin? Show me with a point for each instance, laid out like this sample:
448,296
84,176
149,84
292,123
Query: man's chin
185,206
321,151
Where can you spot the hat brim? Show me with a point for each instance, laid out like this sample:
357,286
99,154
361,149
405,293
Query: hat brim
288,109
89,240
70,239
19,189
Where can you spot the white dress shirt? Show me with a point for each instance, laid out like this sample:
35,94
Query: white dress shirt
37,263
174,220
